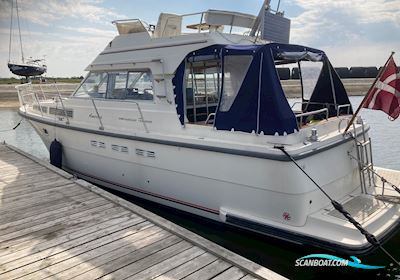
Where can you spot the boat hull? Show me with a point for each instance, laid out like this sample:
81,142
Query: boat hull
246,192
26,70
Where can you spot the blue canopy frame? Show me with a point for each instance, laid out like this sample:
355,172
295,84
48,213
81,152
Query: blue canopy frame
261,105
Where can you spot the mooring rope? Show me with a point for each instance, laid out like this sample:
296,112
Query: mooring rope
14,128
339,207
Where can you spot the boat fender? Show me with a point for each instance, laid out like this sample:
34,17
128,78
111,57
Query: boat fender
56,153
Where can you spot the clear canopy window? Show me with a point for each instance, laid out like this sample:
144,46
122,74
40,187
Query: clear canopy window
202,87
310,72
235,70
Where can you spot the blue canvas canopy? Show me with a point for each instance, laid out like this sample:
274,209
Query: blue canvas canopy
260,105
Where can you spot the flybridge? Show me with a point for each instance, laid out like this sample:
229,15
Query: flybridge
170,25
270,25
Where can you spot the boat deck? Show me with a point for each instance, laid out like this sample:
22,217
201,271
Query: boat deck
54,226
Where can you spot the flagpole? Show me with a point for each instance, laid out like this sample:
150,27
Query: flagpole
367,95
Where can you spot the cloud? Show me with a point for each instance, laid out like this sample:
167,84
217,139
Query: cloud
92,31
336,22
68,49
45,12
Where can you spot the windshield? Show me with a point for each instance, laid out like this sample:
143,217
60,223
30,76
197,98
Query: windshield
135,85
95,86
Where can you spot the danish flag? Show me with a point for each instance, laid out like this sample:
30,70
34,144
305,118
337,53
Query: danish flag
384,95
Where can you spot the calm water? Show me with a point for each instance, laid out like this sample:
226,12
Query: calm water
274,254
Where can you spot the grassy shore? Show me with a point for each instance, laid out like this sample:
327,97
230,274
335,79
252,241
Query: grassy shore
71,80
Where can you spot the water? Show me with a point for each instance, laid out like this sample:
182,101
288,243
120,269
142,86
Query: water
274,254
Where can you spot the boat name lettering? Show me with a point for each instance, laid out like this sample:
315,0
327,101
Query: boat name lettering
134,120
91,115
127,119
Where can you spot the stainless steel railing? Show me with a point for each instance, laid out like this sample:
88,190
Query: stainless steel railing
302,115
31,96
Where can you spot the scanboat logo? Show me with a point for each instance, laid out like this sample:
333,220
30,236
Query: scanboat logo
330,260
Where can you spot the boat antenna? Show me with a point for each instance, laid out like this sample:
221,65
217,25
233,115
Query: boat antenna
279,4
11,26
257,21
19,29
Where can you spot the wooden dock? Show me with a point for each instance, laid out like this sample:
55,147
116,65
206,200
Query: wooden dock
56,227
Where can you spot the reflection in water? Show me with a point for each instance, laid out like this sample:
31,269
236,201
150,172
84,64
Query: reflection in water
24,137
274,254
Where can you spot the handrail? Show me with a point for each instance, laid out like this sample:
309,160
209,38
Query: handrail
41,88
312,113
62,103
134,102
98,116
340,123
37,100
21,97
209,117
343,106
142,118
312,103
27,90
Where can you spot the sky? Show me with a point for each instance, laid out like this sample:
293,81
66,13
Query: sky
70,33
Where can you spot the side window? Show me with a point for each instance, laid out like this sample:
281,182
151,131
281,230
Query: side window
235,70
139,86
117,85
95,86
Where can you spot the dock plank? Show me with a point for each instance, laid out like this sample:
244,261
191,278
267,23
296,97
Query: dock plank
50,215
13,261
52,230
65,222
75,267
210,270
148,261
121,257
53,226
232,273
66,259
188,268
167,265
37,209
70,237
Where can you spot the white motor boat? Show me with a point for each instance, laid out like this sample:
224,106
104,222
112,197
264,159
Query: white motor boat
200,122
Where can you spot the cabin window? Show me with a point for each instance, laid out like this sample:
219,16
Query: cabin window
235,70
117,85
135,85
139,86
203,83
94,86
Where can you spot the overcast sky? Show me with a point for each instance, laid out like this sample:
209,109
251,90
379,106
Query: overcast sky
70,33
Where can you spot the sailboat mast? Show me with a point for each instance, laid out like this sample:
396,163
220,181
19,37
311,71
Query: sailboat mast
11,26
19,29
